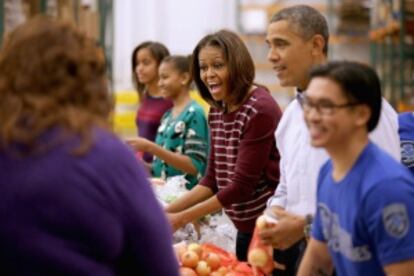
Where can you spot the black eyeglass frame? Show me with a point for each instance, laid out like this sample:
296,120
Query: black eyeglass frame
324,109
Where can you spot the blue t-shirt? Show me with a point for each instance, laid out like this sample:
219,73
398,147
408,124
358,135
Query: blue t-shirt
406,131
91,214
367,218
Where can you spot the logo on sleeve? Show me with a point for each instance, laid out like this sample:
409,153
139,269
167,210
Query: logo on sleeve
395,219
407,153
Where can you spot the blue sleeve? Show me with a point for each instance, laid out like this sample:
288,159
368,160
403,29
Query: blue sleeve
317,227
317,233
388,212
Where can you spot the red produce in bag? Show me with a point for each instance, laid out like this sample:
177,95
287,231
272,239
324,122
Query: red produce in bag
260,256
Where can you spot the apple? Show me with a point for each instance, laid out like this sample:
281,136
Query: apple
261,222
213,260
257,257
222,270
232,273
189,259
179,249
196,248
186,271
203,269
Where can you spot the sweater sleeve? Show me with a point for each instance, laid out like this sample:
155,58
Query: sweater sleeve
209,179
147,234
255,148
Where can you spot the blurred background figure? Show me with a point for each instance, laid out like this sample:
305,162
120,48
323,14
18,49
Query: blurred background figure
73,200
146,59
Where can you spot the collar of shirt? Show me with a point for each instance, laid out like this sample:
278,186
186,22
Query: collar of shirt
299,96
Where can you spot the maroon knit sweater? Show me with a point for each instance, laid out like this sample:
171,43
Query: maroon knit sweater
243,168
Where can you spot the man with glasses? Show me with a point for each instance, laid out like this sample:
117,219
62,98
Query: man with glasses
365,199
297,37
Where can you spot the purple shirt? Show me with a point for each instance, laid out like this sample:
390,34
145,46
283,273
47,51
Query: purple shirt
148,118
94,214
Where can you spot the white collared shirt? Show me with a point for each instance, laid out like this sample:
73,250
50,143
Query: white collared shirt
300,162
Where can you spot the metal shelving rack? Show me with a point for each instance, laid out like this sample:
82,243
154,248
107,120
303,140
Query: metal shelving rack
106,28
392,50
106,37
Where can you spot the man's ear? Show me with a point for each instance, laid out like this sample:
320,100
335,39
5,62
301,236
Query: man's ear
318,43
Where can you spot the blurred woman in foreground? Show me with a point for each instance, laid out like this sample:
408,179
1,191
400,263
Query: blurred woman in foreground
73,198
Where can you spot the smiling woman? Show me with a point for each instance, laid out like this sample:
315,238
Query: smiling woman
242,171
222,63
214,72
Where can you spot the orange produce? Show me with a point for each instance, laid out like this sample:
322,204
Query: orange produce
179,249
222,270
186,271
226,258
213,260
203,269
195,247
189,259
260,256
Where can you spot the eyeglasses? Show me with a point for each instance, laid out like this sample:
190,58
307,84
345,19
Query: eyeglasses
324,107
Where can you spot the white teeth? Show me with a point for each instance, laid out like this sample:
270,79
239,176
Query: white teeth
215,88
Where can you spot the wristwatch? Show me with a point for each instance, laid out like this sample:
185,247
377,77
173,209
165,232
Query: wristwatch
308,226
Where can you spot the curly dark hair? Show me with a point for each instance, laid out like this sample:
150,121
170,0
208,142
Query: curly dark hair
51,76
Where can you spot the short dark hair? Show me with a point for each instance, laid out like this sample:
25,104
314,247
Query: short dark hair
157,50
239,62
307,20
181,64
359,83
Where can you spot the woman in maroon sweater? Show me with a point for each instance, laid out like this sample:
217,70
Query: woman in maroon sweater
243,167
